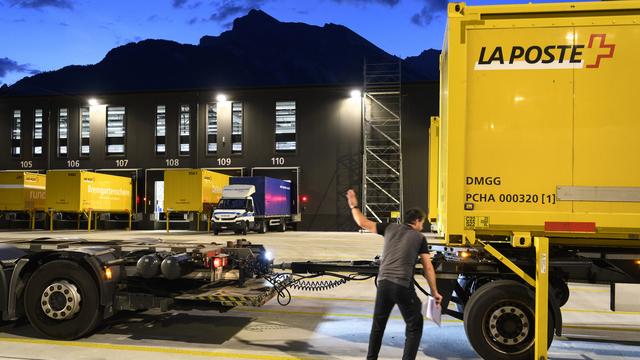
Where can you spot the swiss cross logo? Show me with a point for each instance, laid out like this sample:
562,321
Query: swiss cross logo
602,39
548,56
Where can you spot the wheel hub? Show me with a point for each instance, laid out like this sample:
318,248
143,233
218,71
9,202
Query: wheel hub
509,325
60,300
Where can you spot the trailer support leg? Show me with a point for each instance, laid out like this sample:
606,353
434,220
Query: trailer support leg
542,297
89,221
130,222
33,219
167,220
508,263
198,221
51,221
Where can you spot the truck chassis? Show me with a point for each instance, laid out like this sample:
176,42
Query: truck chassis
66,287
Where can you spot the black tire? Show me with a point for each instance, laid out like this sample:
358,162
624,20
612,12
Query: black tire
90,311
245,228
215,229
263,227
516,325
560,291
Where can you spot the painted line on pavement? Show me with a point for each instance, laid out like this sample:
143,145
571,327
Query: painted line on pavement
586,289
603,328
608,312
151,349
320,313
332,298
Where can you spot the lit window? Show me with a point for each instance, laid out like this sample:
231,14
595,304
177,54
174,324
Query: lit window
236,128
85,131
16,138
286,126
116,130
161,129
185,130
63,132
212,128
38,132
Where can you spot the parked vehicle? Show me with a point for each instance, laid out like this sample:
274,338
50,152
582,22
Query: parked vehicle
257,203
67,287
531,183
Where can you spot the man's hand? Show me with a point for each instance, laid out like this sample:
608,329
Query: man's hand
358,217
352,199
438,297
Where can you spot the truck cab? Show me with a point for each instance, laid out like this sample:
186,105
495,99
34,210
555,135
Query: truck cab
236,210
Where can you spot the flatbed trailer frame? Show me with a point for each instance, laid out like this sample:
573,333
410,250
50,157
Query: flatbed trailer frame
65,287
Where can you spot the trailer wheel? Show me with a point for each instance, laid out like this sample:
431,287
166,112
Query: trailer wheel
499,321
560,290
263,227
245,228
62,301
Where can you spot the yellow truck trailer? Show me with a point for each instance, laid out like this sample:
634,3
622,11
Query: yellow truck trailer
533,164
85,192
192,191
22,191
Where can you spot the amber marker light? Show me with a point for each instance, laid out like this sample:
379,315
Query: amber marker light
108,274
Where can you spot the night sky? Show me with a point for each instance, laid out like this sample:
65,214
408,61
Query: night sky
43,35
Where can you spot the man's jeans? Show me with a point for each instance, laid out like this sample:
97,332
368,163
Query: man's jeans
388,295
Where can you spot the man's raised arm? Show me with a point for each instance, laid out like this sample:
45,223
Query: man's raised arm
358,216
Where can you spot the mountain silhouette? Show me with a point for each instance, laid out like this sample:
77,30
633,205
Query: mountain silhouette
258,51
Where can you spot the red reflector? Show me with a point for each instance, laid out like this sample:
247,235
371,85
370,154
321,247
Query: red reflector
560,226
217,262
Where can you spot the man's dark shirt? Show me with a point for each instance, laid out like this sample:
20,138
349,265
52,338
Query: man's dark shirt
402,245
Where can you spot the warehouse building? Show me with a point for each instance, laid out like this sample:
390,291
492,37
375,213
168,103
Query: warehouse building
310,135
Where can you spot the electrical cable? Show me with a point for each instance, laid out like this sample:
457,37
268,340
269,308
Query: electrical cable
420,288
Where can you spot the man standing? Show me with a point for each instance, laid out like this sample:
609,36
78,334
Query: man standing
403,243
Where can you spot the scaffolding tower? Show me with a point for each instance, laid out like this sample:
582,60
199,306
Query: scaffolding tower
382,143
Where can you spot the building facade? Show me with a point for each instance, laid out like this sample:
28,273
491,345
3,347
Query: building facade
309,135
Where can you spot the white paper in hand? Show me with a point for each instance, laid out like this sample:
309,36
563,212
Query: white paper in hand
432,311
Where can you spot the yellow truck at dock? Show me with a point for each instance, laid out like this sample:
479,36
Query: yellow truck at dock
88,193
533,175
23,192
192,191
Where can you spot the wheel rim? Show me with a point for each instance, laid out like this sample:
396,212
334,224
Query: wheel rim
508,326
60,300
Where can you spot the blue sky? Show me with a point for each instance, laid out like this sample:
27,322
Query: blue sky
42,35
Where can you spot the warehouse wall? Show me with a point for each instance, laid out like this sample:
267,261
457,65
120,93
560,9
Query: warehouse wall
328,141
419,103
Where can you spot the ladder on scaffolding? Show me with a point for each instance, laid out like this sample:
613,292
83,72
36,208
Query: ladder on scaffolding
382,142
